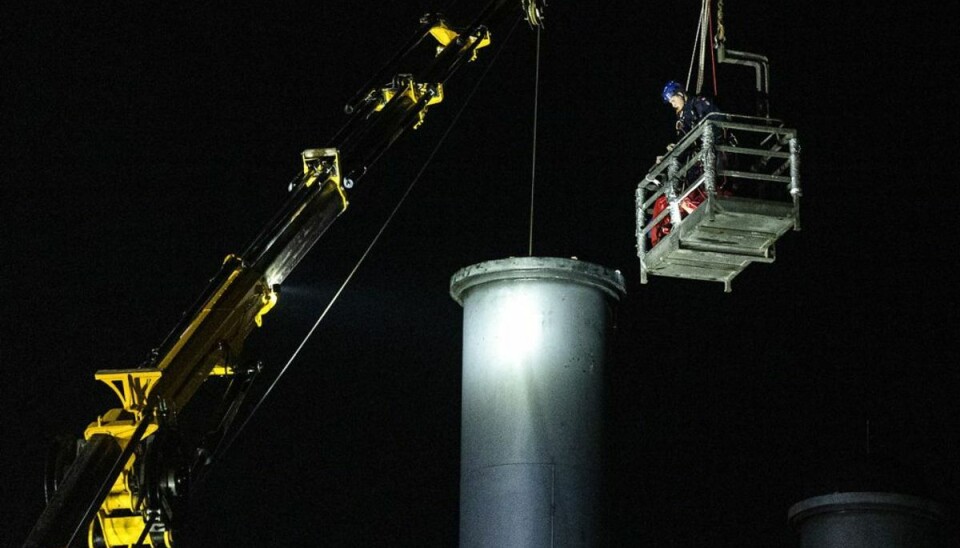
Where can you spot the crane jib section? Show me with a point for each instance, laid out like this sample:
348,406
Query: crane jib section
120,484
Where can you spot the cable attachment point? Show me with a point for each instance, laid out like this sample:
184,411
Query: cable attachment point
533,12
720,38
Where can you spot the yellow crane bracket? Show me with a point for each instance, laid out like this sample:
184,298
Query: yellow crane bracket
221,371
268,299
121,497
435,98
132,386
120,424
405,85
323,163
123,531
445,35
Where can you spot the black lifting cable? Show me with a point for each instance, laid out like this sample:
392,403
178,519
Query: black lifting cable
376,238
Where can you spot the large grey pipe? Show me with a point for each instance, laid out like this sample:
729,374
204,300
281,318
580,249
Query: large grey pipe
869,520
535,332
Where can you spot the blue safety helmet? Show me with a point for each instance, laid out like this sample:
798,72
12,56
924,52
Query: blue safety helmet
672,88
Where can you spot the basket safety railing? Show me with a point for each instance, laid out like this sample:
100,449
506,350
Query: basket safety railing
724,154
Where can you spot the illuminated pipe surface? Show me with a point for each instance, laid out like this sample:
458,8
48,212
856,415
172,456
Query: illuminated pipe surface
869,520
535,332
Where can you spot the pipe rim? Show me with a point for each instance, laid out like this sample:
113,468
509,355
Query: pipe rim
865,501
607,280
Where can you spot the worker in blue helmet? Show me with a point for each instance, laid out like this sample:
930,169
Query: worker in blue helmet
689,111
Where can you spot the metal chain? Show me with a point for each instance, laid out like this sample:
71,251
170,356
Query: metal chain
721,36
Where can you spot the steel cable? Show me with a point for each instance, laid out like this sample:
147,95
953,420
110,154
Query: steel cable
533,169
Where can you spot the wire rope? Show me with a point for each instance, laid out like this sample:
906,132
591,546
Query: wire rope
700,41
713,58
533,168
693,54
704,18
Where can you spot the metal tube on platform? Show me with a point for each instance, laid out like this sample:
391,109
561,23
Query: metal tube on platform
534,349
795,192
709,160
869,520
674,188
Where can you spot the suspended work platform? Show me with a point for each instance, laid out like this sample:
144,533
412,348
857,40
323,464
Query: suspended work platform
719,200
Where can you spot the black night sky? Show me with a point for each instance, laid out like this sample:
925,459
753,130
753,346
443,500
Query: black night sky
143,142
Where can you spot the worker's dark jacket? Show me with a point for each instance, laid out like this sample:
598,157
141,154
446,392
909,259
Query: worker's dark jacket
693,111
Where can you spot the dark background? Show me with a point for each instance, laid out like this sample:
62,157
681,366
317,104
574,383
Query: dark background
142,143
